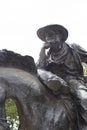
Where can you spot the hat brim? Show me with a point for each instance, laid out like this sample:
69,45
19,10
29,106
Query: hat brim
56,28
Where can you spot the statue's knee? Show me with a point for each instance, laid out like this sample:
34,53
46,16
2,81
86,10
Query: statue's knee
82,94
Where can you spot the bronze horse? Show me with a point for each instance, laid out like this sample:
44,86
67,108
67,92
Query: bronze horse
38,108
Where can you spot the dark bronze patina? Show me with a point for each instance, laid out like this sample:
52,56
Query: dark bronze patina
51,95
61,64
38,108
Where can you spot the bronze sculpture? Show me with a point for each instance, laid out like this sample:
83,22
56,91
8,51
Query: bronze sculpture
65,64
42,104
38,108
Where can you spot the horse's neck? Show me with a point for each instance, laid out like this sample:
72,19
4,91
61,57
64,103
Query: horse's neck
22,87
16,79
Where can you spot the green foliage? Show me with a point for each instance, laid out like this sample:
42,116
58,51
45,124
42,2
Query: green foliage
12,114
11,109
85,68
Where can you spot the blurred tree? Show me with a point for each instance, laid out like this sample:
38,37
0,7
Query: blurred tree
85,68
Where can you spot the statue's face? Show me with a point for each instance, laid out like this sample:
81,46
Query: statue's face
54,40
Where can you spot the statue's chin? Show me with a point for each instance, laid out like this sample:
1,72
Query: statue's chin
56,48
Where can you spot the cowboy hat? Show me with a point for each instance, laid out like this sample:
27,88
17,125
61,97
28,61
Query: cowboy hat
54,27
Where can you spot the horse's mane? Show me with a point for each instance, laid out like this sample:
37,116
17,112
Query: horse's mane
15,60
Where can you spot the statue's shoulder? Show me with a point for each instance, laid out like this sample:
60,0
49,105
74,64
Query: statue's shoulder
78,48
74,46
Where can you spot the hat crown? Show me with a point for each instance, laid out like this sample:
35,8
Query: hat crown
55,28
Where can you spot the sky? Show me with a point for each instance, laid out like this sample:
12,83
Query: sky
20,20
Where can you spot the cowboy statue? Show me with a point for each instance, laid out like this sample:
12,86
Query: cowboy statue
60,67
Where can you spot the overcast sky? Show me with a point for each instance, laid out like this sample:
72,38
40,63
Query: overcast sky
20,19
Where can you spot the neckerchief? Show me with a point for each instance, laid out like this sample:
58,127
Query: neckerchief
59,56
